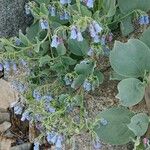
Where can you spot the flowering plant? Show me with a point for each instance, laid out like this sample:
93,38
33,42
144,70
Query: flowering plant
57,62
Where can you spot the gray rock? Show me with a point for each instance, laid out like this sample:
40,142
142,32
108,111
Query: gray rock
12,17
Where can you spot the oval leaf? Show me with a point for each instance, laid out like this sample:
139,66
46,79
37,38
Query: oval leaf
145,37
115,131
131,91
127,5
78,48
139,124
130,59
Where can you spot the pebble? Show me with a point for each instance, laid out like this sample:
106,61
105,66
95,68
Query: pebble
25,146
5,126
4,117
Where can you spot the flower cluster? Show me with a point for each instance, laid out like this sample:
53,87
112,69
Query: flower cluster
88,3
44,24
18,86
76,34
56,139
18,107
64,2
56,41
47,100
63,15
144,20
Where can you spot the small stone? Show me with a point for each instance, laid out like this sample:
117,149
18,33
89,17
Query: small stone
5,126
4,117
25,146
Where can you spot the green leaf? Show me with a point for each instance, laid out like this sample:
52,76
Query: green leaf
131,91
42,1
68,60
83,68
130,59
84,10
23,39
126,26
78,81
43,9
127,5
145,37
36,48
44,60
32,31
99,75
139,124
110,7
61,49
78,48
115,131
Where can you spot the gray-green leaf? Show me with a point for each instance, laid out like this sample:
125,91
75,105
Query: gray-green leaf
130,59
78,48
115,131
131,91
139,124
146,37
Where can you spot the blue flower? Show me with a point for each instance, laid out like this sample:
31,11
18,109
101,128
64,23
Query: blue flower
96,39
74,32
92,30
55,41
66,15
97,27
90,52
25,115
58,143
50,136
79,36
97,144
144,20
14,67
36,146
87,85
103,121
90,3
18,108
17,41
44,24
37,95
7,65
68,80
63,2
52,11
27,9
23,63
54,139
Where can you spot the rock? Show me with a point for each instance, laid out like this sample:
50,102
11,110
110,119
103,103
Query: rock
7,94
12,17
5,144
4,117
4,126
25,146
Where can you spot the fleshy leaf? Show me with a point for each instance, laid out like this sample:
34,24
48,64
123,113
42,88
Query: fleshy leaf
131,91
145,37
130,59
78,48
115,131
127,5
139,124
